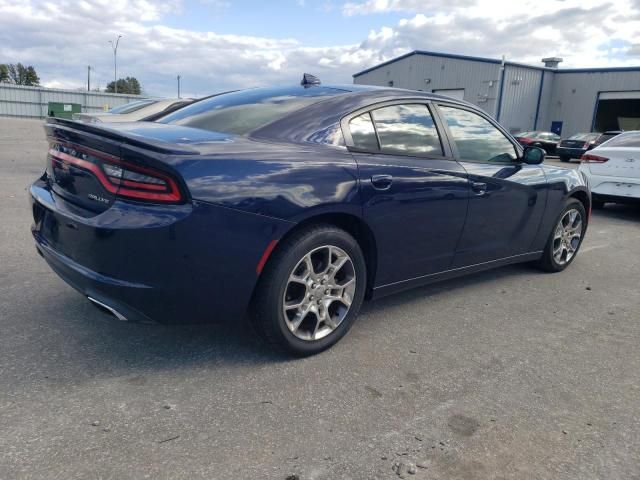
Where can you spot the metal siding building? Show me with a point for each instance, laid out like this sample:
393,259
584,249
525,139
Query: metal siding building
522,97
21,101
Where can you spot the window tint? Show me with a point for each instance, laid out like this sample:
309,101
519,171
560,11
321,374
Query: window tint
476,138
629,140
407,129
243,111
363,133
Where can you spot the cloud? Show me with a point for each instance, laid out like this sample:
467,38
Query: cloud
61,38
383,6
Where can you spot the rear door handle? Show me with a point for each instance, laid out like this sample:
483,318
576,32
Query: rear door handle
479,187
381,182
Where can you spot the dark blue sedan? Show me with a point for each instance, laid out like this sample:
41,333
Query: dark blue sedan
295,204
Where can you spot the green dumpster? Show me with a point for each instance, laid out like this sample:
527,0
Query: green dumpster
63,110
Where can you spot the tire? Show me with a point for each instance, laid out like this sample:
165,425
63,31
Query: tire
549,261
565,159
327,318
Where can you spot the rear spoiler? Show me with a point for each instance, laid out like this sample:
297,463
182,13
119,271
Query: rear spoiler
103,130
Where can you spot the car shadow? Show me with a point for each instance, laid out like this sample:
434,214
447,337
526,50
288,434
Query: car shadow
91,342
619,212
418,294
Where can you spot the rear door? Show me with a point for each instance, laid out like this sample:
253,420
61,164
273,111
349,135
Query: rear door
414,193
507,197
622,155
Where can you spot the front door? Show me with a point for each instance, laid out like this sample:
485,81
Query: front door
414,194
507,197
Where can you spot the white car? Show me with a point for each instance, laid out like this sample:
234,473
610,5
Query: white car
613,170
147,109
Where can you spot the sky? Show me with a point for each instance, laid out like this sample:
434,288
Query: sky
216,45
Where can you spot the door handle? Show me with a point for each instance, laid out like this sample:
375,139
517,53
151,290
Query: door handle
381,182
479,188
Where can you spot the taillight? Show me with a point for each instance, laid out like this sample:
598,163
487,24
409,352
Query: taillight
121,178
590,158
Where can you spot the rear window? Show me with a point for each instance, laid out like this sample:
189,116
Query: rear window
606,136
587,137
628,140
132,107
244,111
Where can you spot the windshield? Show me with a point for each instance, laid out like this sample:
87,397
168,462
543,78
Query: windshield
132,107
244,111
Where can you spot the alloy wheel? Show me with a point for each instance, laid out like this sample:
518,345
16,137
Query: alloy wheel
566,239
319,293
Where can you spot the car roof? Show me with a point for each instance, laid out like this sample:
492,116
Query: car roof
326,113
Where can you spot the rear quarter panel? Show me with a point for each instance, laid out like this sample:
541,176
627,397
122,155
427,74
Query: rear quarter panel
285,181
563,183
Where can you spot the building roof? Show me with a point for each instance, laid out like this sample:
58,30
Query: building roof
499,62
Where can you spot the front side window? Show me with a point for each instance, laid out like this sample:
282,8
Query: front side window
476,138
407,129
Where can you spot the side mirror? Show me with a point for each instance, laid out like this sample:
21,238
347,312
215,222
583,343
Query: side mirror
533,155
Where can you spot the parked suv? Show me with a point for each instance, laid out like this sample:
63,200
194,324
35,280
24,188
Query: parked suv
576,145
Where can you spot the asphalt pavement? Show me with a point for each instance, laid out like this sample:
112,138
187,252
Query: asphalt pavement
508,374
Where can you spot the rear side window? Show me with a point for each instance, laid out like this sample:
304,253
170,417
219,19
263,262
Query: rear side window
363,133
407,129
476,138
629,140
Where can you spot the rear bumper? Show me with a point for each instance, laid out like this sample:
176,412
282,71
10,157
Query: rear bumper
570,152
606,187
167,264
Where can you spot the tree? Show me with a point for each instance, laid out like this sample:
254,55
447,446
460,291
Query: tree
4,73
129,85
19,74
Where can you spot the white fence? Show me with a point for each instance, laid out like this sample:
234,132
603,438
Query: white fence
20,101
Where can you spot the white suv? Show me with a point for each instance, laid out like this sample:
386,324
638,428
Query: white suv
613,169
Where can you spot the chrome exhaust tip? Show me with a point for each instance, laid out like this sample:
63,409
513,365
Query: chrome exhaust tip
109,309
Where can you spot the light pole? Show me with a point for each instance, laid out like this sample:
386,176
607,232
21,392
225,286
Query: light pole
114,46
178,86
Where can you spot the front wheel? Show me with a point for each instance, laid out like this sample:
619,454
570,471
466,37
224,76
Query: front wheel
565,239
311,290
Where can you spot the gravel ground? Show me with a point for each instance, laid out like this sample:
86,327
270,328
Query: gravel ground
506,374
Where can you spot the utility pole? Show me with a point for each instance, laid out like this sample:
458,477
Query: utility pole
178,86
115,62
88,78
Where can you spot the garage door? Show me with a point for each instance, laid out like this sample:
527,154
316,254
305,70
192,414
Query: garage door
617,111
457,93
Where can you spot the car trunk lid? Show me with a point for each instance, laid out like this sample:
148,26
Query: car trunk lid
91,165
622,162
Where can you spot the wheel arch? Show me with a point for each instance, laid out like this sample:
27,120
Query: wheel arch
584,198
352,224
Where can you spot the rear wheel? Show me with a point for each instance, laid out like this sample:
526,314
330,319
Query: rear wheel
564,158
311,290
566,237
